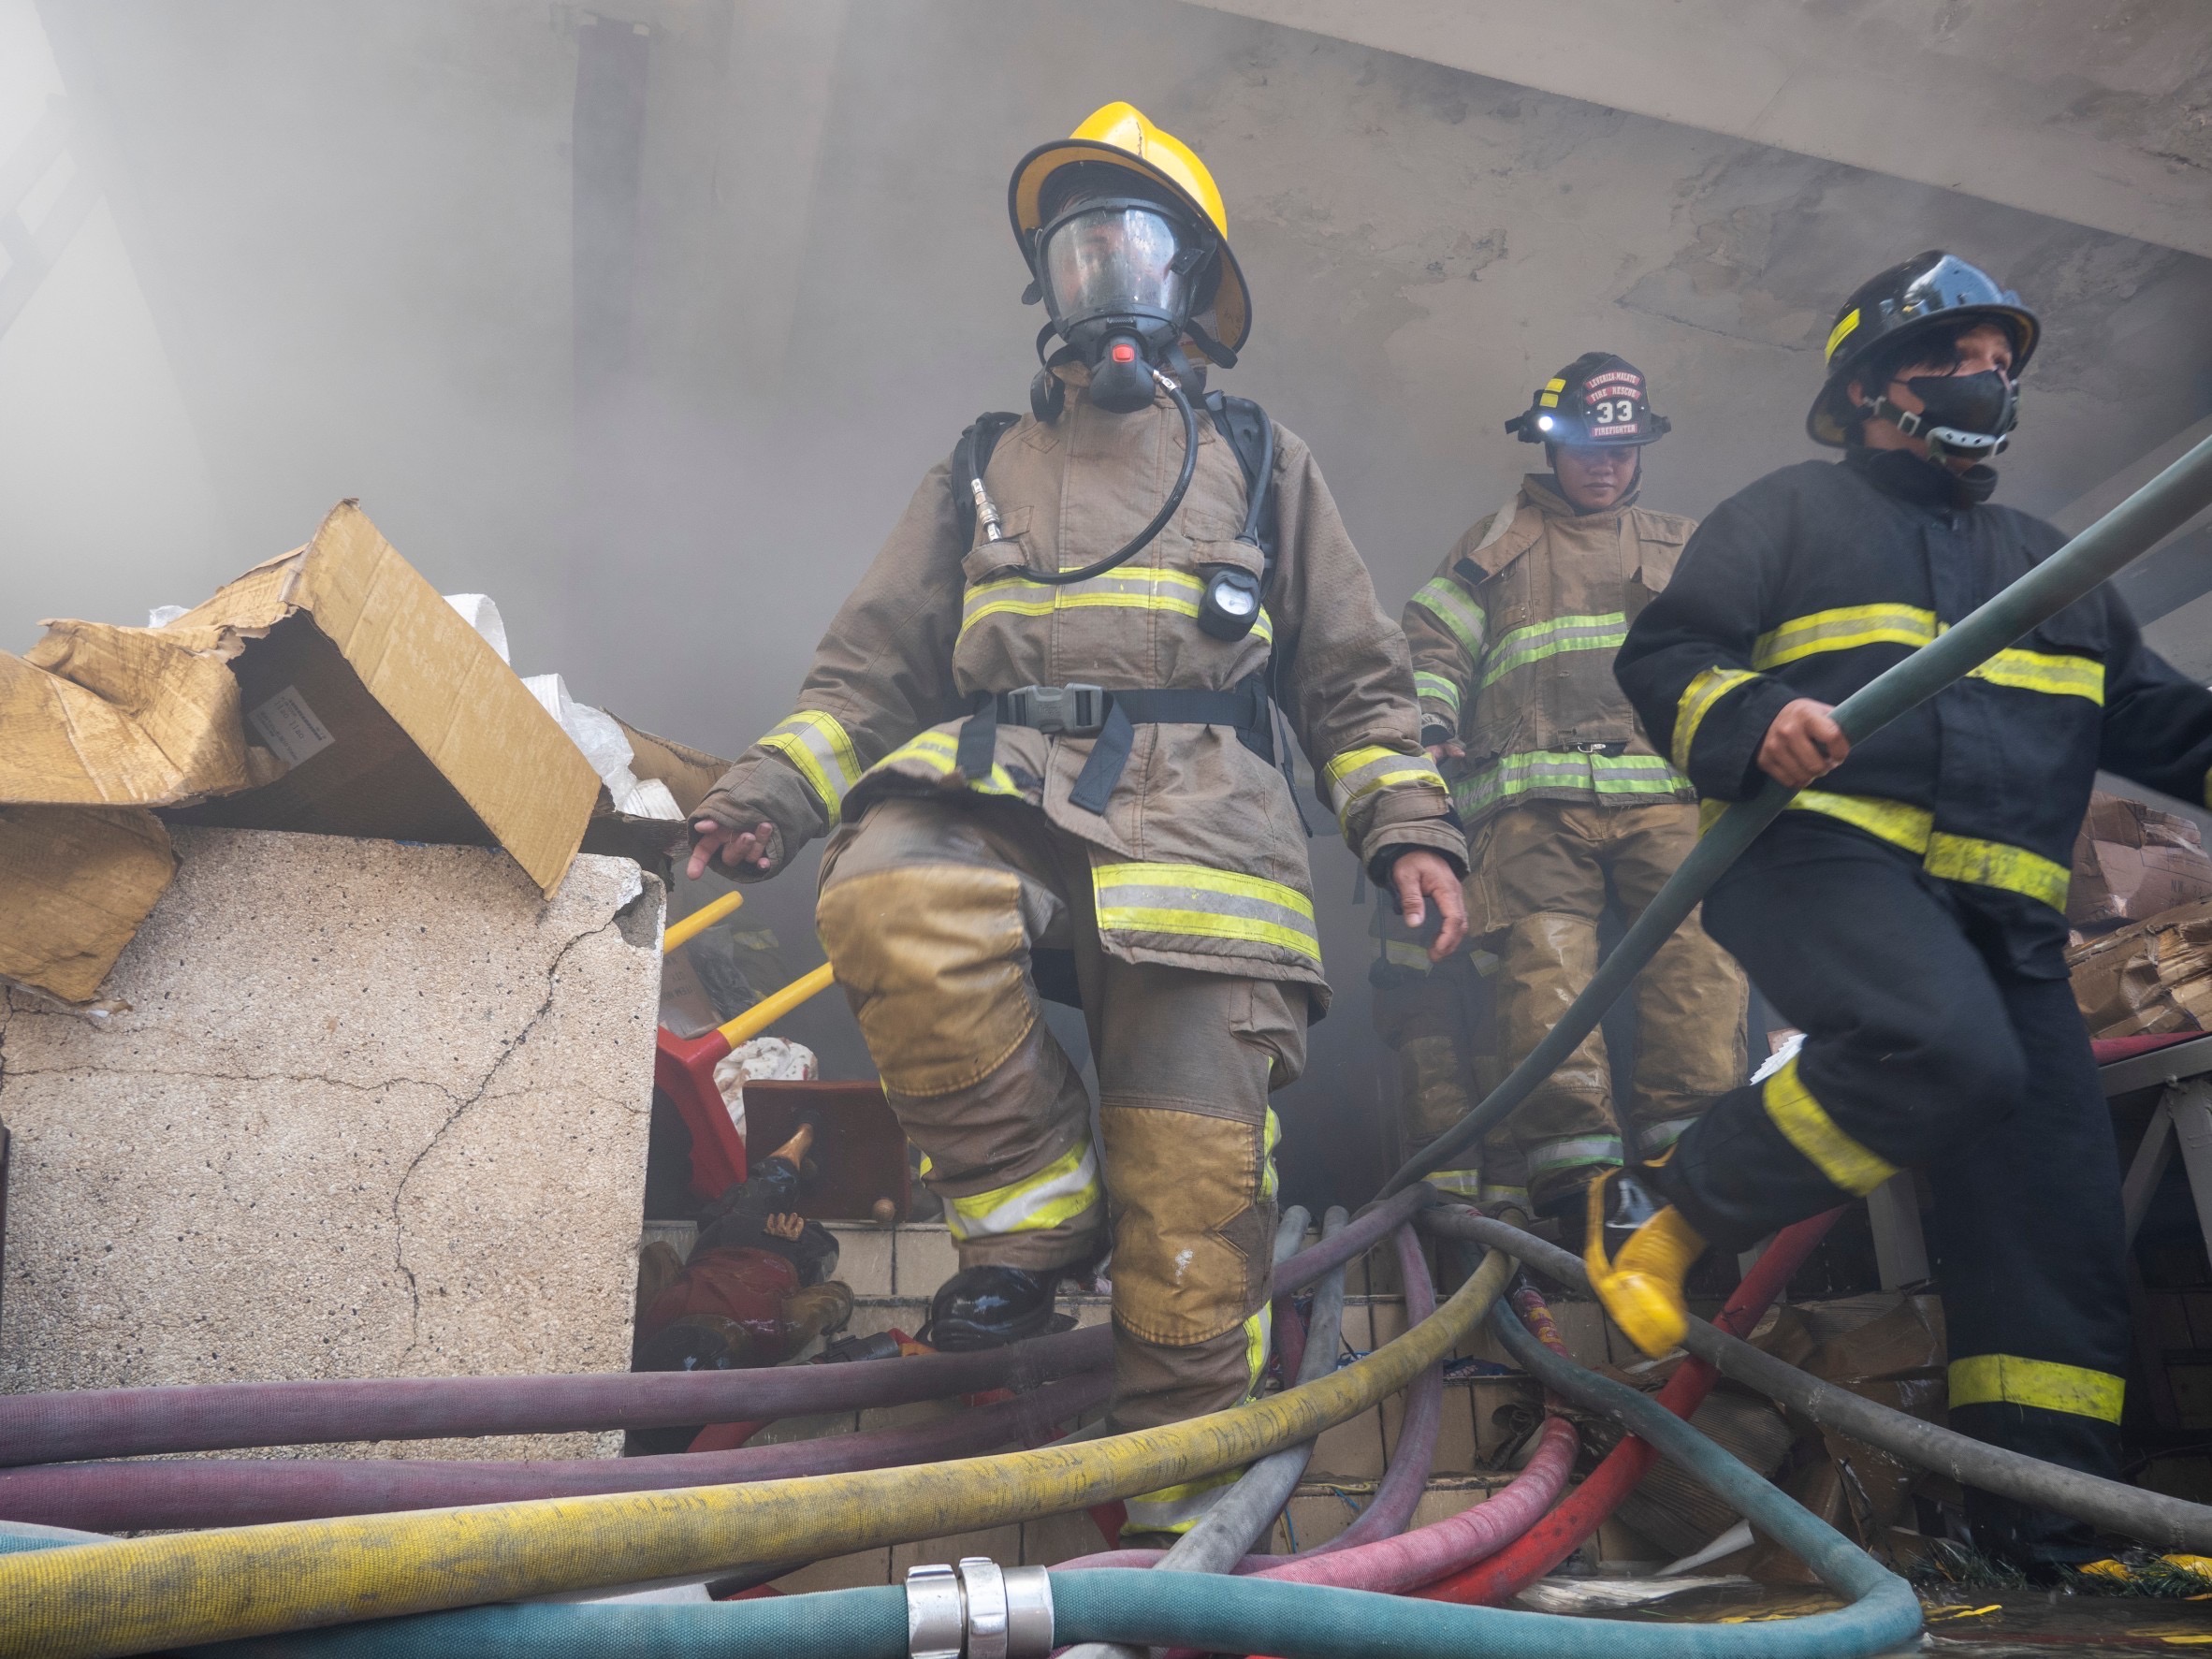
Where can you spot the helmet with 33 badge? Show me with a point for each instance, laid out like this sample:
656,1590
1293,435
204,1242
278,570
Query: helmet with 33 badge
1599,401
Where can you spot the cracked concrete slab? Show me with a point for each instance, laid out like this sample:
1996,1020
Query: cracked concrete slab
373,1109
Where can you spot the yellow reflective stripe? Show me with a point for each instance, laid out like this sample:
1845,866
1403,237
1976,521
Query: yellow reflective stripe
1258,1333
1456,611
822,750
940,752
1466,1183
1180,1508
1271,1136
2006,1379
1993,864
1437,688
1205,903
1405,954
1697,699
1844,629
1142,589
1603,775
1358,773
1538,640
1050,1197
1893,820
2046,672
1805,1123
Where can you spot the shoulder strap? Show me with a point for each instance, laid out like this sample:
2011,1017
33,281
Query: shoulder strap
970,457
1244,424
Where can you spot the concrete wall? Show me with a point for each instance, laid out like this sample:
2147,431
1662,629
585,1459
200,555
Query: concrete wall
371,1110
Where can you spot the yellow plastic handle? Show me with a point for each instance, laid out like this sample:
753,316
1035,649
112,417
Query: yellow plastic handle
698,922
770,1008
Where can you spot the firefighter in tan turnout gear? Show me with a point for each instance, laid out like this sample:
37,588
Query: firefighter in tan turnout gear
1566,804
1043,731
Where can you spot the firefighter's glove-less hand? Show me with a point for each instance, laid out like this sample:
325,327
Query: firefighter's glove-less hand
1423,878
729,850
1803,743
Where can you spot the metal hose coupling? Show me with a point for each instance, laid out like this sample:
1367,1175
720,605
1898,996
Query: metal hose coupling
979,1611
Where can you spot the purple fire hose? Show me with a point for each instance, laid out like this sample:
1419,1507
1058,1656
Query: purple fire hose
247,1491
216,1416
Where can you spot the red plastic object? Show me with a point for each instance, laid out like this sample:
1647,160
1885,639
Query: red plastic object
683,1070
1560,1533
2108,1049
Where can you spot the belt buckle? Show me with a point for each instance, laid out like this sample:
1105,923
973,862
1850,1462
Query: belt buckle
1066,711
1604,748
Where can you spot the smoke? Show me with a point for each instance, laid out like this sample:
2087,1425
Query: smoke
646,318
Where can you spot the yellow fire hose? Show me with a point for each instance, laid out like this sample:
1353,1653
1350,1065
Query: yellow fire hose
144,1594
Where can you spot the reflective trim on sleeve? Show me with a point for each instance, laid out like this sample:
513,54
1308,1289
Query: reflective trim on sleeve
2006,1379
1512,775
940,752
1456,611
1439,689
1178,1508
1052,1197
1697,699
1467,1183
1536,641
1130,588
1993,864
2046,672
1844,629
1195,901
822,750
1806,1125
1358,773
1576,1152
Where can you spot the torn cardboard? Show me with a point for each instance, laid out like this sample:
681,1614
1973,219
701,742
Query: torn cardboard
2150,977
330,690
2132,862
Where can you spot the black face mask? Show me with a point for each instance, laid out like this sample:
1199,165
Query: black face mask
1966,414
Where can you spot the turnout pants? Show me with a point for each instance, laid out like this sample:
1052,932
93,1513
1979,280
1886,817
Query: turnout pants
1924,1047
930,911
1440,1021
1543,872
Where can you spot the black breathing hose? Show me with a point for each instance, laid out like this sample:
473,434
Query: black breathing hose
1142,539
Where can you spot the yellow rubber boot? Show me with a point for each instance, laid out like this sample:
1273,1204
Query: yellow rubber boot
1640,1252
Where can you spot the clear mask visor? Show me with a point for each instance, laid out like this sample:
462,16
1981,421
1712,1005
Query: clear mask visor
1114,261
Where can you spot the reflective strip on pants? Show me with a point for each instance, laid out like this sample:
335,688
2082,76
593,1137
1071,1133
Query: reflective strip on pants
1805,1123
1057,1194
1698,697
823,752
1651,1139
1577,1152
1178,1508
1455,609
1271,1138
1522,646
1197,902
1467,1183
1130,588
2006,1379
1259,1337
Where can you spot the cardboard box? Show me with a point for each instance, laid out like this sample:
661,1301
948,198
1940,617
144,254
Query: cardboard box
330,690
2132,862
2150,977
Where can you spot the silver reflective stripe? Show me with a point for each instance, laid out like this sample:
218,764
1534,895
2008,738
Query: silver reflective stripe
1197,902
1130,588
822,750
1573,1152
1055,1195
1355,774
1457,613
1466,1183
1439,689
1616,777
1523,645
1651,1139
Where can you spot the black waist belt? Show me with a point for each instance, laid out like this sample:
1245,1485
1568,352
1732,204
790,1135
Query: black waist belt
1111,717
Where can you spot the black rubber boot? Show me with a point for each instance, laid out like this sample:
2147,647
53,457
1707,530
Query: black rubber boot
987,1307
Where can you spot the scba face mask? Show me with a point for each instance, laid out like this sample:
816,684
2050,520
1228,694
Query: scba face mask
1966,414
1118,280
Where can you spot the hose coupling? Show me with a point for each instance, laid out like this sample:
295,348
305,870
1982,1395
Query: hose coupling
980,1610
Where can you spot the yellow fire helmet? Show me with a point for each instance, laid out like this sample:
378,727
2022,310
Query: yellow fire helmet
1120,136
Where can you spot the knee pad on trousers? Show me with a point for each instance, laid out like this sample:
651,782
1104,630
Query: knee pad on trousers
1191,1243
931,957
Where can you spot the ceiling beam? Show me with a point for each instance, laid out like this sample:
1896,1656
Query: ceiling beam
2087,110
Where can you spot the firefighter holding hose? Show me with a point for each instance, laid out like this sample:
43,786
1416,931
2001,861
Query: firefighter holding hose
1047,731
1907,912
1567,805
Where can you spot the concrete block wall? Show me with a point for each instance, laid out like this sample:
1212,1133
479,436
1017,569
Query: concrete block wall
893,1271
